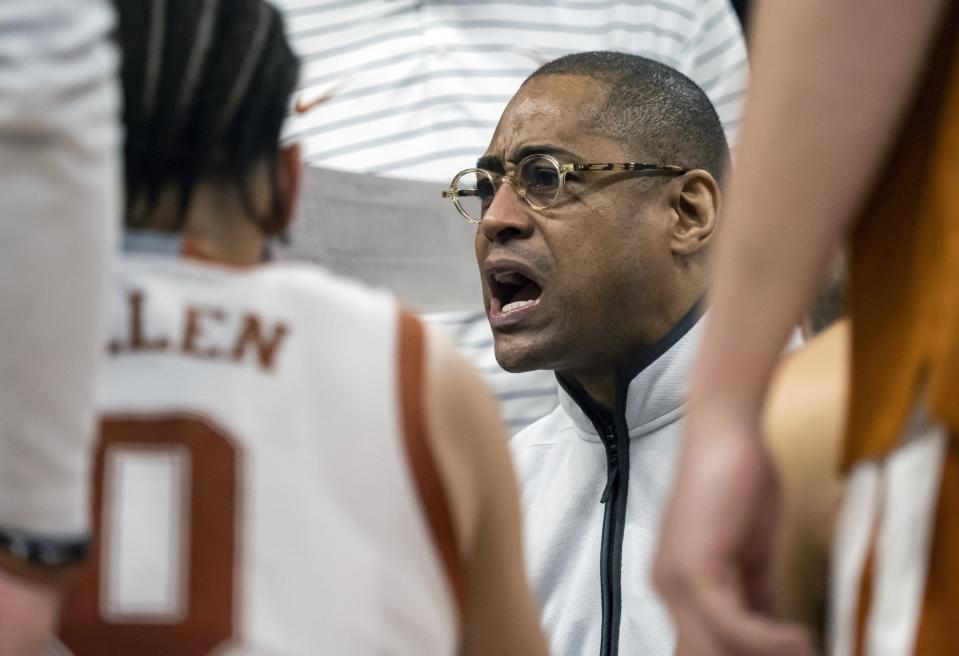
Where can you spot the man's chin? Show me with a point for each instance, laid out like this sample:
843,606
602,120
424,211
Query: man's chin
517,355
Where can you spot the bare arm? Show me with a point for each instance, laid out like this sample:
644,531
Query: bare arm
470,444
29,601
830,82
803,422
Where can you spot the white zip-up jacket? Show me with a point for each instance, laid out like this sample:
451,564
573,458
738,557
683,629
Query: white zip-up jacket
591,516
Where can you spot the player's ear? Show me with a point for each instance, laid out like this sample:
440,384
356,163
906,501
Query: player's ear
289,173
695,203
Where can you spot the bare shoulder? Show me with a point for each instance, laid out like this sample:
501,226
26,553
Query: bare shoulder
468,437
804,422
465,430
811,384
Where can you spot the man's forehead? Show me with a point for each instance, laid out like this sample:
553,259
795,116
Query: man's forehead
547,115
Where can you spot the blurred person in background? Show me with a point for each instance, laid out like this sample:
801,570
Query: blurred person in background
866,145
411,89
596,202
289,463
59,208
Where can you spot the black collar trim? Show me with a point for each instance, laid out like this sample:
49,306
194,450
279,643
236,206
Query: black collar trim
666,342
599,414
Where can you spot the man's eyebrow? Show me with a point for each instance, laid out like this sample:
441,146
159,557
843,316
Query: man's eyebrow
494,163
490,163
563,155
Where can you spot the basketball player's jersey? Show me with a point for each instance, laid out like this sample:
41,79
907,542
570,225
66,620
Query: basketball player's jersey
257,485
905,266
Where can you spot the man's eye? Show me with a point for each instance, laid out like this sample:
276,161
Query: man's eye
543,179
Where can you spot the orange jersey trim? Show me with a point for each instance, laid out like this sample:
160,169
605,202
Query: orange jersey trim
426,476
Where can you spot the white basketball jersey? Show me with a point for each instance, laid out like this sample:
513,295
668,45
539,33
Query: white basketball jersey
257,482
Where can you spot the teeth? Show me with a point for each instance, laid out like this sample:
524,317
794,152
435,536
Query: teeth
515,305
510,278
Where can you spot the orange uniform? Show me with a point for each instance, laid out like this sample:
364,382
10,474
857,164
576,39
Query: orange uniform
905,371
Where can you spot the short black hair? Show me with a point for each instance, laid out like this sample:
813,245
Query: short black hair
658,112
207,85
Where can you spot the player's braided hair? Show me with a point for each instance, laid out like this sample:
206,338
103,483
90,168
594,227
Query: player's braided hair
207,85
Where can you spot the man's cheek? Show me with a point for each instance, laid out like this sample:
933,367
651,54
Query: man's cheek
480,246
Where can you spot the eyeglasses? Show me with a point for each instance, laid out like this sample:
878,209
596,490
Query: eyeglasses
539,180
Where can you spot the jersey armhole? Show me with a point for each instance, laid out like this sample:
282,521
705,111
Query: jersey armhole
411,359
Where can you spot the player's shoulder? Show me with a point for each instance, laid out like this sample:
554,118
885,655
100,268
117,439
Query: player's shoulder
818,371
806,406
290,284
804,421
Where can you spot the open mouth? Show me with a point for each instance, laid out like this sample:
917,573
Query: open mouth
512,291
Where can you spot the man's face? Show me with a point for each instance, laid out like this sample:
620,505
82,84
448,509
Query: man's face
569,288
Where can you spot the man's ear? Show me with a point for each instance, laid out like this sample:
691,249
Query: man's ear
289,175
696,205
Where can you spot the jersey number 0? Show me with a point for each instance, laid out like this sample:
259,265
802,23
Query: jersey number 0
161,577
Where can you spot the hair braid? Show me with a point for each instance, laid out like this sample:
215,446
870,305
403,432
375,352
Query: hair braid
215,78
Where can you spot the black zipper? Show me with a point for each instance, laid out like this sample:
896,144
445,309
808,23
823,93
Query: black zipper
614,433
614,524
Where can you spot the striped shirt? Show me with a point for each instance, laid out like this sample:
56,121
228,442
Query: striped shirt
416,88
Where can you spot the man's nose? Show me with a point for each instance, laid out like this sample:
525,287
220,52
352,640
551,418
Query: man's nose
508,216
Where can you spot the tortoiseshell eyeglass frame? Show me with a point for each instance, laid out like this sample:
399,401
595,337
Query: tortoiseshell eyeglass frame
455,194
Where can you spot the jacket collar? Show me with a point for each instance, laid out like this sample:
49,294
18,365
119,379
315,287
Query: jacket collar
650,390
